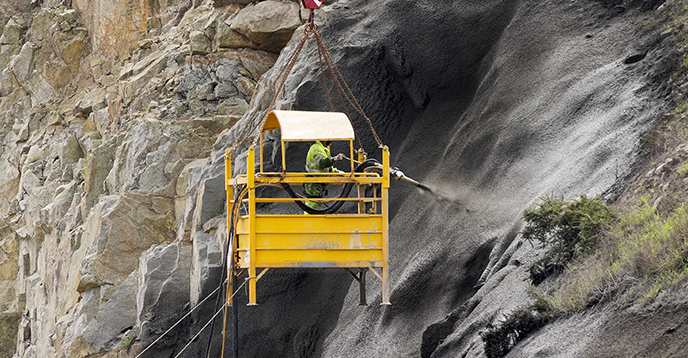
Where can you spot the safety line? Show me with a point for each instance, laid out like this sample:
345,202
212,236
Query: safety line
179,321
337,86
211,320
290,66
343,90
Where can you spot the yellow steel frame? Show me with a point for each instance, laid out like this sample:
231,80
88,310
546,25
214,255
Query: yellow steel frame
262,242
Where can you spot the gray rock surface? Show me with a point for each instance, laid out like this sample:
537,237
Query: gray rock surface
116,316
164,277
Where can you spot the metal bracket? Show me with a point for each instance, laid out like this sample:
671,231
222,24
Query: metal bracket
377,274
361,284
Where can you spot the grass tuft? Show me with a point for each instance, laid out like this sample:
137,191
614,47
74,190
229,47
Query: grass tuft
641,255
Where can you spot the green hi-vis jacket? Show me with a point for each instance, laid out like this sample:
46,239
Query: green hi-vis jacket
318,159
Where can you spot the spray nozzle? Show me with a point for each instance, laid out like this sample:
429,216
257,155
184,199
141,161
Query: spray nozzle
396,173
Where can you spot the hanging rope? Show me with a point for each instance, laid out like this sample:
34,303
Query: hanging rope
224,306
179,321
243,135
339,92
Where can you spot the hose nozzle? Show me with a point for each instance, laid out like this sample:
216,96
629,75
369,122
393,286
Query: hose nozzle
399,175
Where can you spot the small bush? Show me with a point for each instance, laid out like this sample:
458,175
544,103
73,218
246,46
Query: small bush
519,324
572,229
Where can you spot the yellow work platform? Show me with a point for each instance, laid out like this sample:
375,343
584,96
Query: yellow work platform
357,240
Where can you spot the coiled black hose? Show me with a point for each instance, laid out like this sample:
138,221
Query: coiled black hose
345,192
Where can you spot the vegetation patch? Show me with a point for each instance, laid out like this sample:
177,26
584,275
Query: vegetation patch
644,253
629,259
572,230
623,257
519,324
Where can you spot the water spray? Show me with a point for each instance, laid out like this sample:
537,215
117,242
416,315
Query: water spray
399,175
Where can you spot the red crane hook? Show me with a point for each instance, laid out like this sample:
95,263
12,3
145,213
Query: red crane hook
311,5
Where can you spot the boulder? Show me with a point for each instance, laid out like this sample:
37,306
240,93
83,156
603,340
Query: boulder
163,293
101,119
206,92
9,253
227,70
91,101
246,85
257,62
41,90
181,190
57,73
70,16
117,231
35,153
200,43
142,72
22,64
225,37
233,106
12,33
74,49
271,24
62,202
225,90
53,118
100,161
115,316
6,54
9,183
210,201
207,261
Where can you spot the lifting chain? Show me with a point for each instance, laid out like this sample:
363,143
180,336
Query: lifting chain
343,90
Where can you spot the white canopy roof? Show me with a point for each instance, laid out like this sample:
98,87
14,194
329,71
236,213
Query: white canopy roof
308,126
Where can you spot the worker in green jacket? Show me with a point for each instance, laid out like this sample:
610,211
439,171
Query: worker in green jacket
319,160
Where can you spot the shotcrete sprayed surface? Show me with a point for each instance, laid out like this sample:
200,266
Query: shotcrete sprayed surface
492,104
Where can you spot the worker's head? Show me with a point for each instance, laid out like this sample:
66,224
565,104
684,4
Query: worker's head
326,142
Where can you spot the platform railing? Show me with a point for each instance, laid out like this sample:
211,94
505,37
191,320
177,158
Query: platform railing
342,240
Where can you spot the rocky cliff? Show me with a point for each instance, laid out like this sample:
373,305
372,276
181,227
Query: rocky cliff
116,114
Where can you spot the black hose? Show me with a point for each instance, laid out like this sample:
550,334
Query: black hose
230,242
345,192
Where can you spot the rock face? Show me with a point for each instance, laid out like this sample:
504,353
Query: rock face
114,118
109,111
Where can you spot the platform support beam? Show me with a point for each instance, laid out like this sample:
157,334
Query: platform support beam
360,278
385,227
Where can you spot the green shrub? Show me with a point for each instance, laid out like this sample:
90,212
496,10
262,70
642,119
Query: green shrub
499,340
571,229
